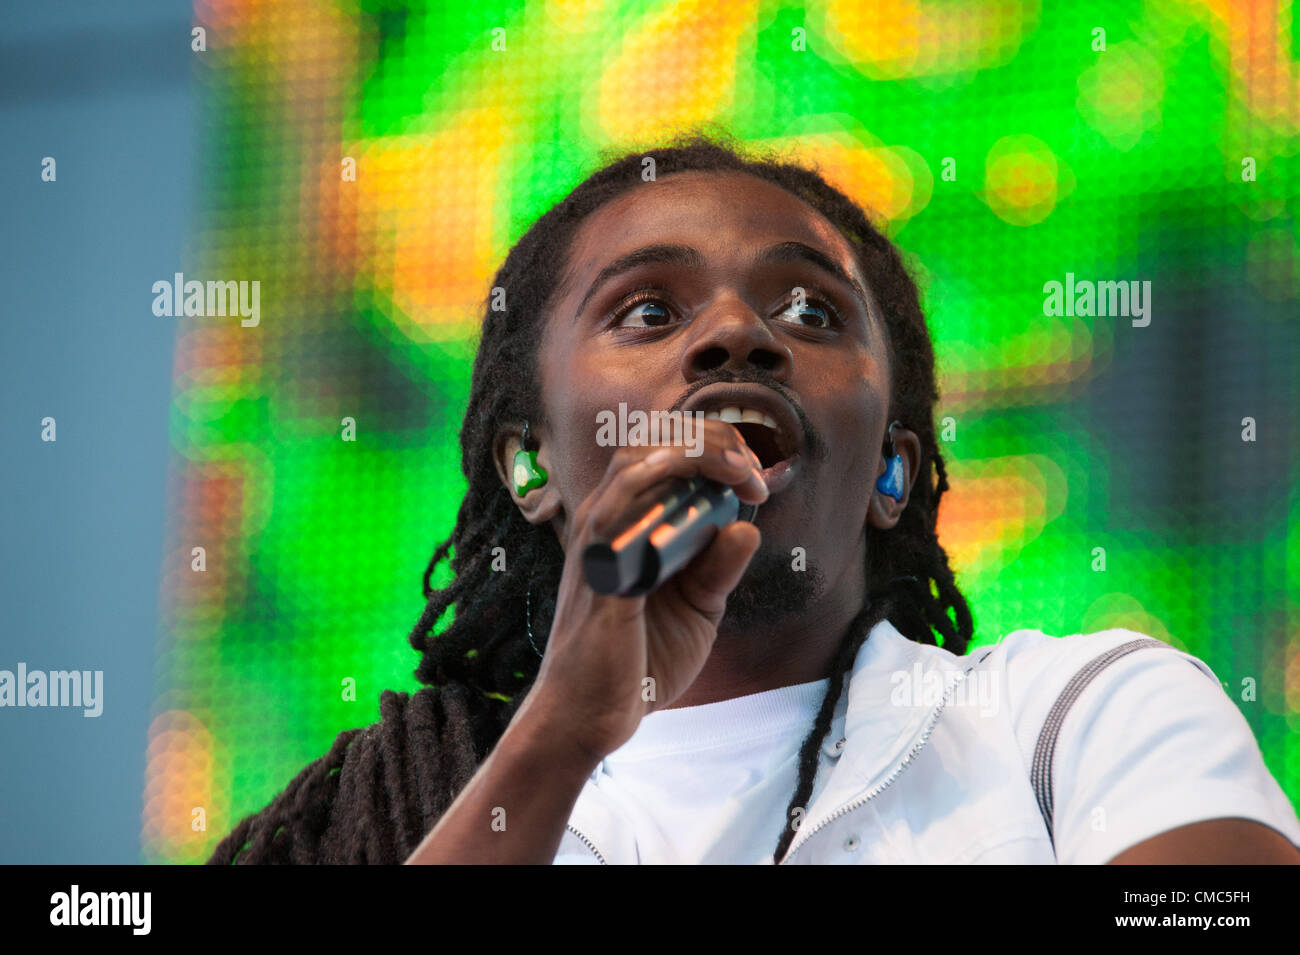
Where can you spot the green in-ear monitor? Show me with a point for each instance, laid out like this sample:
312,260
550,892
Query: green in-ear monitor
528,473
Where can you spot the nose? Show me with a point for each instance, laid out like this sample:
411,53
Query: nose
731,336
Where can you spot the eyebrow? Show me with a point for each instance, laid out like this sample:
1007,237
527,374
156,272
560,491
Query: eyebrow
688,257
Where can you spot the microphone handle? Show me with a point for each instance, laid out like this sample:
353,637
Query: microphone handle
665,539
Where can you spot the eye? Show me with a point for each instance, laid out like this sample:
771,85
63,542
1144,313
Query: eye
646,305
824,314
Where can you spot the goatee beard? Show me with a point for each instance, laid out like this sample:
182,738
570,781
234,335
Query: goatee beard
772,590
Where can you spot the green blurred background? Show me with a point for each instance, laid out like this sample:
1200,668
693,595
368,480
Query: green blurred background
372,163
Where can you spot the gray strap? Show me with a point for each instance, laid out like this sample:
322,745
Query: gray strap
1040,776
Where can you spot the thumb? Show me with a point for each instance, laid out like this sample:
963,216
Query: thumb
709,579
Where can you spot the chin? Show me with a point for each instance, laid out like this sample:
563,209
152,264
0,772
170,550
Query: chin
772,588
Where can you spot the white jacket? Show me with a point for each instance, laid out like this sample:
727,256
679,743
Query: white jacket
1035,750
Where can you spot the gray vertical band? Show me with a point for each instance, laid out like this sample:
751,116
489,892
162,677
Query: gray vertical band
1040,776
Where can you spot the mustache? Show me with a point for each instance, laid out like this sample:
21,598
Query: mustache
813,443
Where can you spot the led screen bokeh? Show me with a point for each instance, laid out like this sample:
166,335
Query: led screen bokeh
371,163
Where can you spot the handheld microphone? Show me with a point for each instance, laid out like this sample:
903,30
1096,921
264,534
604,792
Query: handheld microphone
680,524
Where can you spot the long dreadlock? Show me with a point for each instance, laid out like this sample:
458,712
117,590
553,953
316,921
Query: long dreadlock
484,654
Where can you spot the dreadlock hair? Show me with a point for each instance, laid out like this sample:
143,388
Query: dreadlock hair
485,647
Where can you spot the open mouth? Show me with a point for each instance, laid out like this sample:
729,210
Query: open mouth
760,431
762,441
766,420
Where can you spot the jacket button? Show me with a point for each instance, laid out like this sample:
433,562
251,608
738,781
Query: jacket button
834,749
851,844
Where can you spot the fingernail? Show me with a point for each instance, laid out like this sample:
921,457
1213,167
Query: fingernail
736,459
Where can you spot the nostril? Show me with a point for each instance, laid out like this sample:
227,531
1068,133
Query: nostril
710,359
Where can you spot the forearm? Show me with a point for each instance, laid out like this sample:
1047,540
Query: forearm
515,809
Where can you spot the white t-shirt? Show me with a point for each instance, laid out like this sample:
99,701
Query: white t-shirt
1151,744
711,784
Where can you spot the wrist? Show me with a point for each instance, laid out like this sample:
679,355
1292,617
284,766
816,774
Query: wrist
544,725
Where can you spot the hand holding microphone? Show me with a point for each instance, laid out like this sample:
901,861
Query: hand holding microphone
602,649
679,525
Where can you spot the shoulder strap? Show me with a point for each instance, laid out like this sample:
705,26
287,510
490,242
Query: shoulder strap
1040,776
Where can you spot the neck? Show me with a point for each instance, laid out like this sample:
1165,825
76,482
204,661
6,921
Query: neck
751,657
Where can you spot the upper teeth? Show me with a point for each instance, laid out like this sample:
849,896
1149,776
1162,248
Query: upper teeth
735,415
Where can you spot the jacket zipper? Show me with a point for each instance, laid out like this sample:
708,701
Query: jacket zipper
925,736
885,783
589,844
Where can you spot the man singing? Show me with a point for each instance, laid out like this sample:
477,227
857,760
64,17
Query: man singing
800,692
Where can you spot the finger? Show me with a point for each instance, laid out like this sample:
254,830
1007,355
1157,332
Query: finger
708,580
724,457
634,490
629,494
721,435
630,483
596,503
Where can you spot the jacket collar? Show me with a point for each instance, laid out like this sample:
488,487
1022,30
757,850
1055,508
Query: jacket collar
896,686
895,690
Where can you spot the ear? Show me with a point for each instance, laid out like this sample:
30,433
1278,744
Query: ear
540,504
884,512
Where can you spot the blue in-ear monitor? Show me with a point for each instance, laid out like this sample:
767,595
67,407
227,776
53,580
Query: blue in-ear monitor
891,482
